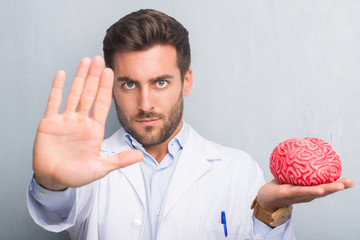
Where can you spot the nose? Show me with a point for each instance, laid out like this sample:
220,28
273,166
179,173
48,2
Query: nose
145,103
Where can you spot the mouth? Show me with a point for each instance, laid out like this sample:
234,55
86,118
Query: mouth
148,121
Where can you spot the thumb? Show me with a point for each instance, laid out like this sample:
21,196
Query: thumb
119,160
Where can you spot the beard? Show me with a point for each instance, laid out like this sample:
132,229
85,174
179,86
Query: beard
151,136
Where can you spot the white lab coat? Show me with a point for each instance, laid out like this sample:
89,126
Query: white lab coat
208,179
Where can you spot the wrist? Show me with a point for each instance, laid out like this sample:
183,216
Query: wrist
273,217
48,184
269,206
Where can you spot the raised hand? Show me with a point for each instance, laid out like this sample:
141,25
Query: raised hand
274,195
67,145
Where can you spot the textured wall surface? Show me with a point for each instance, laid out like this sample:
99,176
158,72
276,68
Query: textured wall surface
264,71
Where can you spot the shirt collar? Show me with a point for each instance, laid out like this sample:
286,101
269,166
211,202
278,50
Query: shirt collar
180,139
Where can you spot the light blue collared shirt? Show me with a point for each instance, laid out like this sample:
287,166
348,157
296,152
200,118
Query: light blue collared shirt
157,176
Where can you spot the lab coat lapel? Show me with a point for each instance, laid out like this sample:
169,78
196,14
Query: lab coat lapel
193,164
134,175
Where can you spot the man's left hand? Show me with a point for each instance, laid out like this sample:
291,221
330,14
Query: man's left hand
274,195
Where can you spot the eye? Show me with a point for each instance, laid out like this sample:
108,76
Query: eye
129,85
161,83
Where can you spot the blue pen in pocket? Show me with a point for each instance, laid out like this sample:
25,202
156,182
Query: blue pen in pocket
223,222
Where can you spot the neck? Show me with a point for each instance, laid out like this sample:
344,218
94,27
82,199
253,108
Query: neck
159,151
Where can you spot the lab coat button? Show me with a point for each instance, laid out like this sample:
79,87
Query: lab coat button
136,223
158,212
257,236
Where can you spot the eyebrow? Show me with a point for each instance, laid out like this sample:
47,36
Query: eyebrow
125,79
161,77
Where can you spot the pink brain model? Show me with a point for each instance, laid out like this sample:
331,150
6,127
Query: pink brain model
308,161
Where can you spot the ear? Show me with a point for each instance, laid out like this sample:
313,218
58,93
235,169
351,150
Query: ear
188,81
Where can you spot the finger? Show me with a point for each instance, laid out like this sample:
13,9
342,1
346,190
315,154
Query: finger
77,85
334,187
55,96
348,182
310,190
324,190
103,97
308,193
91,85
119,160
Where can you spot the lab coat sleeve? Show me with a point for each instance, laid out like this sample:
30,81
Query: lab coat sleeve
50,209
57,211
262,231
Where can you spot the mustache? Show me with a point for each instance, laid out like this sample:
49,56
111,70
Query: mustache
144,115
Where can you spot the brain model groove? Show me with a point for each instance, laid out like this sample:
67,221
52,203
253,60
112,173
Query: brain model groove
308,161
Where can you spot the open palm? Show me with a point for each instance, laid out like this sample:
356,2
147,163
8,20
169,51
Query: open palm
67,145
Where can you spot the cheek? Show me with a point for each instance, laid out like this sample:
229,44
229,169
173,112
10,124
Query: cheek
166,103
173,104
125,104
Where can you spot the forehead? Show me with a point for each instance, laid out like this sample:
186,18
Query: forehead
157,60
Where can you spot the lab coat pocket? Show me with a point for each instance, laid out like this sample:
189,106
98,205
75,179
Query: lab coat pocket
215,231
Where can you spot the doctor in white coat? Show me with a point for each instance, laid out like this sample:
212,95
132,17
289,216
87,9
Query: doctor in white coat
155,178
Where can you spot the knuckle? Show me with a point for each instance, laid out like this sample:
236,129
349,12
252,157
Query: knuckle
88,93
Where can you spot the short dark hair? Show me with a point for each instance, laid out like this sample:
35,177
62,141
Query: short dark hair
144,29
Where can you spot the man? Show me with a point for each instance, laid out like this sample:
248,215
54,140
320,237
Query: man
155,178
